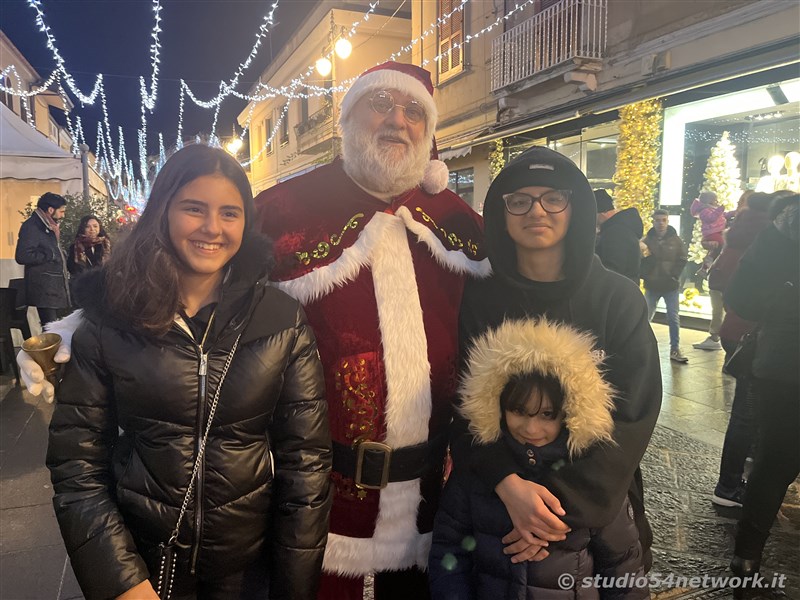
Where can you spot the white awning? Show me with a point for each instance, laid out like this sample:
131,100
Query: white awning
457,153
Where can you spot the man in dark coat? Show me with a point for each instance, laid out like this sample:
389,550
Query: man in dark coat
618,235
664,257
39,251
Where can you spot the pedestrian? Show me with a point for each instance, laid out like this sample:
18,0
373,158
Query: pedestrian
39,250
764,289
740,434
711,215
618,235
189,448
540,219
91,247
663,259
537,388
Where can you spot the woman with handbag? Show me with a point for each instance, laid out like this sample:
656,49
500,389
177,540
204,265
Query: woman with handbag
189,448
765,289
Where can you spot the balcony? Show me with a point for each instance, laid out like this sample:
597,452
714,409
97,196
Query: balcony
315,131
570,34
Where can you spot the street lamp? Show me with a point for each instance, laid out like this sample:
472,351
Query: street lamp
234,146
343,47
324,66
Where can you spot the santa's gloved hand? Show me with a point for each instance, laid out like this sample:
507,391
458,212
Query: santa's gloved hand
31,373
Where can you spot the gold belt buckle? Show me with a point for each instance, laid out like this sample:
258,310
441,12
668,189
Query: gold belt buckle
361,448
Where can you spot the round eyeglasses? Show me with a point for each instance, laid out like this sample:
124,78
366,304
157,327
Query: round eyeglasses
382,103
552,202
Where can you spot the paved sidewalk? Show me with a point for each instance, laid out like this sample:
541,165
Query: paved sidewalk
692,537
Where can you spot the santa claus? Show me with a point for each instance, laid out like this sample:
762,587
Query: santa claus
377,250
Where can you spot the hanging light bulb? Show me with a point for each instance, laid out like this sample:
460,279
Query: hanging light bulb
343,47
324,66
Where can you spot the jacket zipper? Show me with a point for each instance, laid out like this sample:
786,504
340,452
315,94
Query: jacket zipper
202,392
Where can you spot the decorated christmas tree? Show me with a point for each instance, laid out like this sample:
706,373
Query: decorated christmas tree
723,177
639,145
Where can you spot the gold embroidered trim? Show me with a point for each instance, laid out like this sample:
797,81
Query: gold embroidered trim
454,241
324,248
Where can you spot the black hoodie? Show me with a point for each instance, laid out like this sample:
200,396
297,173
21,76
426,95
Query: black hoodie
618,243
590,298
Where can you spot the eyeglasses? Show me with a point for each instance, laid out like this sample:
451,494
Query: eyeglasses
383,103
552,202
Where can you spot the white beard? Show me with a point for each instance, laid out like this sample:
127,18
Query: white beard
388,169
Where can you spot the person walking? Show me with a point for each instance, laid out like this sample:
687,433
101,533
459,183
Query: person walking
663,259
39,250
766,289
189,448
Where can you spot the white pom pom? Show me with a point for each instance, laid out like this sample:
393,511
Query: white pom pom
436,177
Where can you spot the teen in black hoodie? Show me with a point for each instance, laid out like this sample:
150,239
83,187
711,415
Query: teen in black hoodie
552,273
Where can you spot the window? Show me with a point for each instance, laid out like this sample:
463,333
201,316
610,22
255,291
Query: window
270,137
451,36
463,183
285,126
24,113
6,97
304,106
53,131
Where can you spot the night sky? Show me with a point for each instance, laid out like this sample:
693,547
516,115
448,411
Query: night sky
202,41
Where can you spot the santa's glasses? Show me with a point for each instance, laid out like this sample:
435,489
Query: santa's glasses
382,103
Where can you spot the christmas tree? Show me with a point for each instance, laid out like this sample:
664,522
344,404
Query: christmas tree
722,176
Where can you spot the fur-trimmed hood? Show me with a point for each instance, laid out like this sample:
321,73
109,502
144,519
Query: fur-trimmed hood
523,346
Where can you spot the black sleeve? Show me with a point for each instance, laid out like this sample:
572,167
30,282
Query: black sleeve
752,284
83,432
73,267
30,251
302,496
593,486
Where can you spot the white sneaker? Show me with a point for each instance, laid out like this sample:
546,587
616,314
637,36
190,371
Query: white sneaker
708,344
678,356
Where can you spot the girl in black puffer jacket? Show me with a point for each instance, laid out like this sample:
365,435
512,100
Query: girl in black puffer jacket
181,325
535,386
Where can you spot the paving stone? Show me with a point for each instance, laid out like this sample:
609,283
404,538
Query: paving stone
33,573
28,527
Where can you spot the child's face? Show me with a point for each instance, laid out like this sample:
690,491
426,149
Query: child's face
537,424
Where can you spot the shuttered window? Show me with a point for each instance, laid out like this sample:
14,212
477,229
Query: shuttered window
451,38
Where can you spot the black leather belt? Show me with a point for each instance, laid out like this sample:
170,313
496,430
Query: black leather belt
373,465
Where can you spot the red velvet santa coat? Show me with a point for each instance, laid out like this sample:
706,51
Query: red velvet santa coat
381,286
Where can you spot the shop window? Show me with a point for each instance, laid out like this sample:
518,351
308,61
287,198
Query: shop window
462,182
451,38
270,137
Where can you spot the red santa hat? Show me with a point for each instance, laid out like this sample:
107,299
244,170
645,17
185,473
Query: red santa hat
415,82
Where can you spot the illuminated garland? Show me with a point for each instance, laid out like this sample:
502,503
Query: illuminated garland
638,147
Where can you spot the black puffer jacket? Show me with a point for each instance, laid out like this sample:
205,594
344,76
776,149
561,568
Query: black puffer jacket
661,270
766,288
590,298
46,274
618,243
263,490
471,510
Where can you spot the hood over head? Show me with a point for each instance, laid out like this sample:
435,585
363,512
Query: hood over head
629,219
525,346
539,166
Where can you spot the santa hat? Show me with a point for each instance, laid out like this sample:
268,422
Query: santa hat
412,81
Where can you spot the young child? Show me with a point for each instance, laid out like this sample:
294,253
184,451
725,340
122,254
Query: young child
712,223
538,387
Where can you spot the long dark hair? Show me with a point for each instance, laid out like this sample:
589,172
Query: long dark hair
142,277
85,221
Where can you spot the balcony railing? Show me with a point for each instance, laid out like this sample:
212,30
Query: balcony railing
318,128
569,30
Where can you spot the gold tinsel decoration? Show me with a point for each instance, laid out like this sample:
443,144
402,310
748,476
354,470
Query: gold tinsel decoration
638,149
497,159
